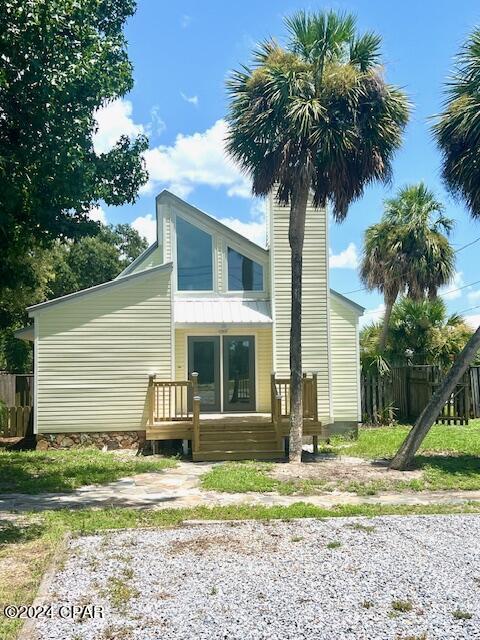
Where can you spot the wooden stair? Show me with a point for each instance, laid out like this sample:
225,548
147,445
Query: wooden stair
237,438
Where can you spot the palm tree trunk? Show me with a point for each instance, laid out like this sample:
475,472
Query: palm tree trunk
296,236
382,343
404,456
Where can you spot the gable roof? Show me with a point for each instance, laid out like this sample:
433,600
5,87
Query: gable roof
138,260
357,308
167,196
99,287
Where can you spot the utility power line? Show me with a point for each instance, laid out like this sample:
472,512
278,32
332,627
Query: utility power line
469,244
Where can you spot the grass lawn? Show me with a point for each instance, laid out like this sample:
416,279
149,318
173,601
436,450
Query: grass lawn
28,546
448,459
39,471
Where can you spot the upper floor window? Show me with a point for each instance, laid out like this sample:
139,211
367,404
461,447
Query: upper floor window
243,274
194,258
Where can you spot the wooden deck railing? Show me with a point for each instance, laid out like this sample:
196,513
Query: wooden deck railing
281,402
280,390
170,402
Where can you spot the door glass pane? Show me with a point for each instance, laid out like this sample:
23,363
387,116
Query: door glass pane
194,258
243,274
238,372
204,365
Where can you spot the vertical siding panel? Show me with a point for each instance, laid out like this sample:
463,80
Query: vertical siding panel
314,297
345,390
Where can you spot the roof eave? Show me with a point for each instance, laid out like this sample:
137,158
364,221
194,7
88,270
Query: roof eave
99,287
359,310
167,195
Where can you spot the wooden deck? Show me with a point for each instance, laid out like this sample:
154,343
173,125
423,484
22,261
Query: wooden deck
226,436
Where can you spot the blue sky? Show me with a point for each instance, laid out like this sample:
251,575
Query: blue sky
182,52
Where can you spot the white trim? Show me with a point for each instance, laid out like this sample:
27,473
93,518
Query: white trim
218,325
221,373
329,331
273,306
35,377
359,373
172,331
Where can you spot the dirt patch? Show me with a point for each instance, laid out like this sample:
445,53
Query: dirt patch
203,545
334,471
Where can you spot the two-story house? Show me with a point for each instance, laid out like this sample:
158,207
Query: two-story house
202,299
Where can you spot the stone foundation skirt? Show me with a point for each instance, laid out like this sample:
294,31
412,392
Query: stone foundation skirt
107,440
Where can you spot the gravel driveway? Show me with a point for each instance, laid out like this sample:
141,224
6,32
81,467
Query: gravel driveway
401,578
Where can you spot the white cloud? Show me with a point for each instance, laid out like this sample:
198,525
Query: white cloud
157,125
473,321
191,99
114,120
346,259
474,296
372,315
97,214
449,292
258,210
196,159
254,231
146,227
185,21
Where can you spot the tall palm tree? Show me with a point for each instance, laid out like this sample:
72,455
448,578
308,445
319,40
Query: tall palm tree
408,252
313,116
457,131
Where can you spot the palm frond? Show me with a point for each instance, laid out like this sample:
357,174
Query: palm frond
457,128
365,51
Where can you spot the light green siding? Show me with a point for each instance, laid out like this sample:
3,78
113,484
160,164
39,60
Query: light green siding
345,361
315,303
94,354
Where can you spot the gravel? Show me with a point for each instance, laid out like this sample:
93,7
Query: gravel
399,578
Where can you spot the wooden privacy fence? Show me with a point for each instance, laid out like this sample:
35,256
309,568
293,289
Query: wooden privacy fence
16,389
405,392
16,394
475,391
14,421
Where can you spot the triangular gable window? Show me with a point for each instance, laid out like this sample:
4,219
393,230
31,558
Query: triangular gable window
243,273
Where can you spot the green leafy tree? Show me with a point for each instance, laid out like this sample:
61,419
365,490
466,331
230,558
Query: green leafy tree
420,328
315,115
408,252
457,132
65,268
60,60
94,259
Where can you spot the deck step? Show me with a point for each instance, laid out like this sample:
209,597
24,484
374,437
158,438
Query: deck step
238,445
229,436
243,426
211,456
